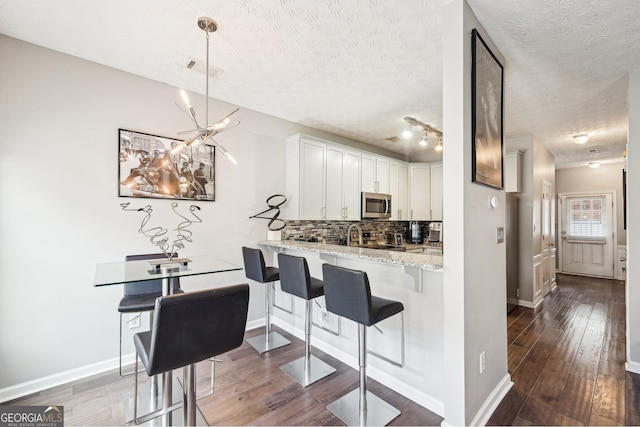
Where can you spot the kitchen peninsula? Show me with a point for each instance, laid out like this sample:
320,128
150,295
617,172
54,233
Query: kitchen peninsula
413,279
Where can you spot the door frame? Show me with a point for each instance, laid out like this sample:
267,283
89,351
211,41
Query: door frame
560,223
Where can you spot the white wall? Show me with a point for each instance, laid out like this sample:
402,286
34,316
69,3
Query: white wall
474,280
633,229
608,177
60,214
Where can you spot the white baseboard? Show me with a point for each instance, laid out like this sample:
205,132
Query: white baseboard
29,387
39,384
422,399
492,402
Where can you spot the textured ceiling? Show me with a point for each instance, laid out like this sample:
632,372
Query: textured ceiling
356,68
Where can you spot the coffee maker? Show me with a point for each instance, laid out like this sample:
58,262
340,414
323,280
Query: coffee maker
435,232
415,232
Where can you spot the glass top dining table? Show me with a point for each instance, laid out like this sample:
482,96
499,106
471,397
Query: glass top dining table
113,273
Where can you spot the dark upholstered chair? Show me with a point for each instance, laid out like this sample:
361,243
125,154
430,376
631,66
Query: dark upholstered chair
188,328
348,294
296,280
256,269
141,296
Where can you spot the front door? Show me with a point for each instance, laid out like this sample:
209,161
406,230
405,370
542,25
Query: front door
548,262
587,234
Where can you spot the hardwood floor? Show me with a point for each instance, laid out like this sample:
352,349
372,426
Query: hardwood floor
566,360
250,390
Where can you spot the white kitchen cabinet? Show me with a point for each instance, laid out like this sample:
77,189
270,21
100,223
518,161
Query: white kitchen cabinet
512,174
419,191
322,180
343,184
375,174
351,185
305,168
398,187
436,192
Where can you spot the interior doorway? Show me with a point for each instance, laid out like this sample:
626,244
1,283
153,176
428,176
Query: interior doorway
587,222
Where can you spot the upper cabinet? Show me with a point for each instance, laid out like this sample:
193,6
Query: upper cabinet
343,184
375,174
425,192
398,188
436,192
305,175
419,192
512,174
322,180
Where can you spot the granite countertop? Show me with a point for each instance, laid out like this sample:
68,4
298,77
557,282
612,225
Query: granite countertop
423,261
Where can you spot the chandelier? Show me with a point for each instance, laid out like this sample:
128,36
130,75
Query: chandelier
204,135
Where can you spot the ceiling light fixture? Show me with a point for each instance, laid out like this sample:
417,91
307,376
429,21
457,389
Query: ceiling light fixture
439,144
580,138
205,134
594,165
407,132
423,142
427,130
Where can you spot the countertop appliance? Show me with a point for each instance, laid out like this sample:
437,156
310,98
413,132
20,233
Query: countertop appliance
435,232
376,205
415,232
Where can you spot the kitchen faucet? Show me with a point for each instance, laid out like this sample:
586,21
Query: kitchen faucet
349,234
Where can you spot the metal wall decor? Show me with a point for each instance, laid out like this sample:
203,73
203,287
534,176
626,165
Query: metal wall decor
148,168
158,235
274,202
487,95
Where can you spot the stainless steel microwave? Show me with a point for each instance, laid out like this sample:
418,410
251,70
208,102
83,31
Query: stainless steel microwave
376,205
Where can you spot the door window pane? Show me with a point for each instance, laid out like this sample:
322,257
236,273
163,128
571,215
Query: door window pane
586,217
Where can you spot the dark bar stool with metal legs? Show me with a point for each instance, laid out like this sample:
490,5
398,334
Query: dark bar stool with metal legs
296,280
255,269
348,294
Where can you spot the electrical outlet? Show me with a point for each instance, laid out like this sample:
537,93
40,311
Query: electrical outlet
500,235
134,320
483,361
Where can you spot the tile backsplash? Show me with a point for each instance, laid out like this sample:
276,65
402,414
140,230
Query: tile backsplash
332,231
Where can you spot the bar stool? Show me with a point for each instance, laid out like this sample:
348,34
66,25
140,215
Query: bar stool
141,296
255,269
348,294
188,328
296,280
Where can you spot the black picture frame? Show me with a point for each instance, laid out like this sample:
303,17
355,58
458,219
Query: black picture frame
487,101
148,169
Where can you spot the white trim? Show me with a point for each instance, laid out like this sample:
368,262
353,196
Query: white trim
633,367
419,397
23,389
33,386
492,402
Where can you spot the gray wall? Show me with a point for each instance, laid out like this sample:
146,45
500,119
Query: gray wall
60,213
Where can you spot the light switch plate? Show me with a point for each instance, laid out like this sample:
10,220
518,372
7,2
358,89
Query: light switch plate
500,235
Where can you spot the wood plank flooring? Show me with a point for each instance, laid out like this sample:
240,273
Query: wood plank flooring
566,360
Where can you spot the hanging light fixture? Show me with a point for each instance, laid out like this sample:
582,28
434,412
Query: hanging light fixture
205,134
407,132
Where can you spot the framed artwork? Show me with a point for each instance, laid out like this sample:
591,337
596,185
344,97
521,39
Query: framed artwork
487,95
148,169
